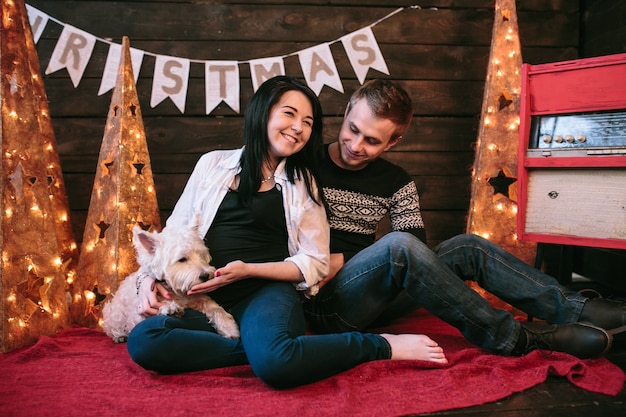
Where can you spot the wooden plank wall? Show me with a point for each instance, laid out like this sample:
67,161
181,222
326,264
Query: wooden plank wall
439,53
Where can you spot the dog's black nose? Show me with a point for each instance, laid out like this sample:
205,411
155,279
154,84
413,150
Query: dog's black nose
205,277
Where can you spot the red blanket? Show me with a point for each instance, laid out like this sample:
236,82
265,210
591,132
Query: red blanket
81,372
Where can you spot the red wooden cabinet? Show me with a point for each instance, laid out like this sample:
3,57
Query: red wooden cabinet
572,153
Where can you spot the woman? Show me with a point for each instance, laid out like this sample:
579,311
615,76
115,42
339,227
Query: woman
263,218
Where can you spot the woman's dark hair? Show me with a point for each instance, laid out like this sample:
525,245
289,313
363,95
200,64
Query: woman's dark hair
303,164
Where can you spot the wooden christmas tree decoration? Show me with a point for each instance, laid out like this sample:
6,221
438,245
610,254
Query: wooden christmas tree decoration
38,248
123,196
493,207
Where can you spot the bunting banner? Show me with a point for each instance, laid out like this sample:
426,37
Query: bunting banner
171,77
319,68
74,49
112,64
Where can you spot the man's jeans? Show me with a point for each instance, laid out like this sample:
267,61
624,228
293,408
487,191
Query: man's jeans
401,267
273,342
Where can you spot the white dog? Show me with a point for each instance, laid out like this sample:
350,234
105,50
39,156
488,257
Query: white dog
178,258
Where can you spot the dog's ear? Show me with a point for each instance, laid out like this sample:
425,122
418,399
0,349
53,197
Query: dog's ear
147,241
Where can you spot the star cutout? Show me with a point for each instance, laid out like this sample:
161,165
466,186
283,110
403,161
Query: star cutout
501,183
504,102
17,181
14,85
30,287
107,166
99,297
101,227
136,167
144,226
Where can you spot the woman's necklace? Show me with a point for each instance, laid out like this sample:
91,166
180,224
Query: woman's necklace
264,180
273,171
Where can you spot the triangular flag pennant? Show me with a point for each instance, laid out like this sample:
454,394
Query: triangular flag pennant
222,84
72,51
37,20
113,61
364,53
265,68
171,76
123,196
319,68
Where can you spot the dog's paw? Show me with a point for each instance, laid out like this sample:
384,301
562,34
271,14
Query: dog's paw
172,309
230,333
227,326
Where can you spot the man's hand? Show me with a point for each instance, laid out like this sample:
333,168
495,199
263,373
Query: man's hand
147,294
336,263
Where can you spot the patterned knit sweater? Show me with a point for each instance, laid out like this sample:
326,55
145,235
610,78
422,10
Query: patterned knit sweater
359,200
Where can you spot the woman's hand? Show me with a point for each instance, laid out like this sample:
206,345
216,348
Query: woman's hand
147,295
231,272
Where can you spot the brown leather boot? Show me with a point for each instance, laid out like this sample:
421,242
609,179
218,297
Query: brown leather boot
582,340
608,314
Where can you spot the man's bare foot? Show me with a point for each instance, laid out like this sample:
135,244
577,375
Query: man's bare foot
415,346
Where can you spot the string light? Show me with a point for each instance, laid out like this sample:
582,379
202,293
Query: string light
37,250
123,191
493,210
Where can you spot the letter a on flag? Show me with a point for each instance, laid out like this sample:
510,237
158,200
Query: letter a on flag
319,68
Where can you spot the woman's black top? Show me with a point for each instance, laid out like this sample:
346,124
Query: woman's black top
257,233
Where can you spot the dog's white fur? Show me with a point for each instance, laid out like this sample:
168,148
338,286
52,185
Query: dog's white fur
179,258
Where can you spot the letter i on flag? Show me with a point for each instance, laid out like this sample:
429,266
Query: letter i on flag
109,74
37,20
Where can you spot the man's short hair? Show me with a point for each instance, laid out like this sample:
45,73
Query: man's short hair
387,100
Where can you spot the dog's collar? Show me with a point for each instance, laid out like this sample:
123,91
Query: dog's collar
141,276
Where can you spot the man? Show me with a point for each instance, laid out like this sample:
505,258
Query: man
370,280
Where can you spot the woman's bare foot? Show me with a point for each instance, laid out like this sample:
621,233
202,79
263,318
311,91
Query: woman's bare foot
415,346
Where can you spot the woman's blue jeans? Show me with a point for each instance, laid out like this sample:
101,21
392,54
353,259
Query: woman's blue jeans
273,342
400,269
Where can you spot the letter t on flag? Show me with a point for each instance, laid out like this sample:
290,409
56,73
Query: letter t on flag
221,84
364,53
319,68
